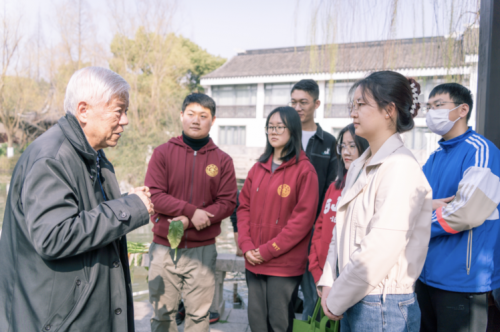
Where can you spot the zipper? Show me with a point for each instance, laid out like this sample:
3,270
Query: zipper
264,208
469,252
192,178
191,192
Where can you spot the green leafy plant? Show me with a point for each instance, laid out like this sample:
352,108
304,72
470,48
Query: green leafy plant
136,248
175,233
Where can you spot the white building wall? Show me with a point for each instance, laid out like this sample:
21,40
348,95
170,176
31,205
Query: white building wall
245,156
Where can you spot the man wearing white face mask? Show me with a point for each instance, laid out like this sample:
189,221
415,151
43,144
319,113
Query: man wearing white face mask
463,261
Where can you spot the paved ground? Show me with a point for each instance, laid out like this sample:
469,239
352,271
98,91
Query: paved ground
233,320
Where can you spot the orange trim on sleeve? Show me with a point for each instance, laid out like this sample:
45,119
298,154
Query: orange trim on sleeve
443,223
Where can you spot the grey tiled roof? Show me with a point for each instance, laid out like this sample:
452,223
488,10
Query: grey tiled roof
433,52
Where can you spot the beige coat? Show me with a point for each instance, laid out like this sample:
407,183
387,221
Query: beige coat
383,228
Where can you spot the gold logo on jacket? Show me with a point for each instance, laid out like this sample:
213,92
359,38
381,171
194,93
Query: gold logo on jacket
212,170
284,190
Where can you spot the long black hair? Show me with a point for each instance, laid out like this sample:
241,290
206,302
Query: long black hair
361,144
292,149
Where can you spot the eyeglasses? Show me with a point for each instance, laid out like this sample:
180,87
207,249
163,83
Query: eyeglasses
437,105
279,130
350,146
301,103
354,106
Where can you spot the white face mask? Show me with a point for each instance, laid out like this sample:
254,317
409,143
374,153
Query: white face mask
439,122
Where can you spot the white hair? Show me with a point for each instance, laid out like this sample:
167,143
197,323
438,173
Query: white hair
94,85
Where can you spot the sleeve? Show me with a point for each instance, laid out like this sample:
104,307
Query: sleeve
156,180
244,239
329,270
234,219
314,267
332,167
56,225
475,202
300,222
225,202
401,201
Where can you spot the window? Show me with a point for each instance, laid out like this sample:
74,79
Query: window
235,101
276,95
417,138
337,95
232,135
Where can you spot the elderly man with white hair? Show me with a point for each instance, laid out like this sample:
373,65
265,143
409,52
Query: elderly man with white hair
63,252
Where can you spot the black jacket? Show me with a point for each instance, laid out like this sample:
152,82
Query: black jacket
63,252
321,152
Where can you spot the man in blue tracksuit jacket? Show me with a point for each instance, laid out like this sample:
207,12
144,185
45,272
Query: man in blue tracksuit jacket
463,261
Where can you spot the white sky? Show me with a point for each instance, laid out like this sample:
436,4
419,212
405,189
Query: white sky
224,27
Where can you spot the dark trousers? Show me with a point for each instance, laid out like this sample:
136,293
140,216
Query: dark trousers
270,305
444,311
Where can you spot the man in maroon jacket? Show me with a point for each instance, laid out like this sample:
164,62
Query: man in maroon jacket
191,180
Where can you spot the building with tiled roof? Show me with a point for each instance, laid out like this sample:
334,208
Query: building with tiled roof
251,84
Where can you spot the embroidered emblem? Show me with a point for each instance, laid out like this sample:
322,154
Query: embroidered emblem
327,152
212,170
275,246
285,191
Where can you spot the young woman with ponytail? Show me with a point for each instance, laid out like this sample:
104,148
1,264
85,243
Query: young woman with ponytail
380,241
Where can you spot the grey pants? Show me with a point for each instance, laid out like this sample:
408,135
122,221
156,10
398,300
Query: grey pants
193,275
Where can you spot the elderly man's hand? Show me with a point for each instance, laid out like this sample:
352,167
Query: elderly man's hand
143,189
200,219
145,196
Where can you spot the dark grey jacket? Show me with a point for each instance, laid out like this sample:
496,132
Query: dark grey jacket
63,253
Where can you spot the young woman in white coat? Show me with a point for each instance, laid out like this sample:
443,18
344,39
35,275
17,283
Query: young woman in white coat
383,226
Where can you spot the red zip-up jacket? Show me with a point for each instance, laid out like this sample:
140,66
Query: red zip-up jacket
182,180
276,215
323,231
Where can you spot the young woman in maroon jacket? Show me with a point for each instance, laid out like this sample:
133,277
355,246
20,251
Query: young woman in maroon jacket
278,206
349,148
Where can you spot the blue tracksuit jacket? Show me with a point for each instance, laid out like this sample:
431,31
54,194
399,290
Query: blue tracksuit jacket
464,252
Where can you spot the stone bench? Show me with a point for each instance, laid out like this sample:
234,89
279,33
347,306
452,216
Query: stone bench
225,263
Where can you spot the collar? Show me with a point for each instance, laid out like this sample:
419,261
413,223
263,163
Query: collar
194,143
392,144
319,132
357,178
455,141
74,133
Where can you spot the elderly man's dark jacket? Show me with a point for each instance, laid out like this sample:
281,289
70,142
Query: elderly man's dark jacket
63,253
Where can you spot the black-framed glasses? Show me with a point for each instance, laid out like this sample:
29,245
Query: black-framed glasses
351,146
277,129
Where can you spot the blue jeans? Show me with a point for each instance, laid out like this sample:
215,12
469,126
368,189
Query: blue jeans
398,313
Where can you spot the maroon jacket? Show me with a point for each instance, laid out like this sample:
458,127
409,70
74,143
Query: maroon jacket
276,215
323,232
182,180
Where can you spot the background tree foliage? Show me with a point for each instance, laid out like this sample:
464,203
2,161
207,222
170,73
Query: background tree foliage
161,67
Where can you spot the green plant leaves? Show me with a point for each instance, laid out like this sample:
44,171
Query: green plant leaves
175,233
